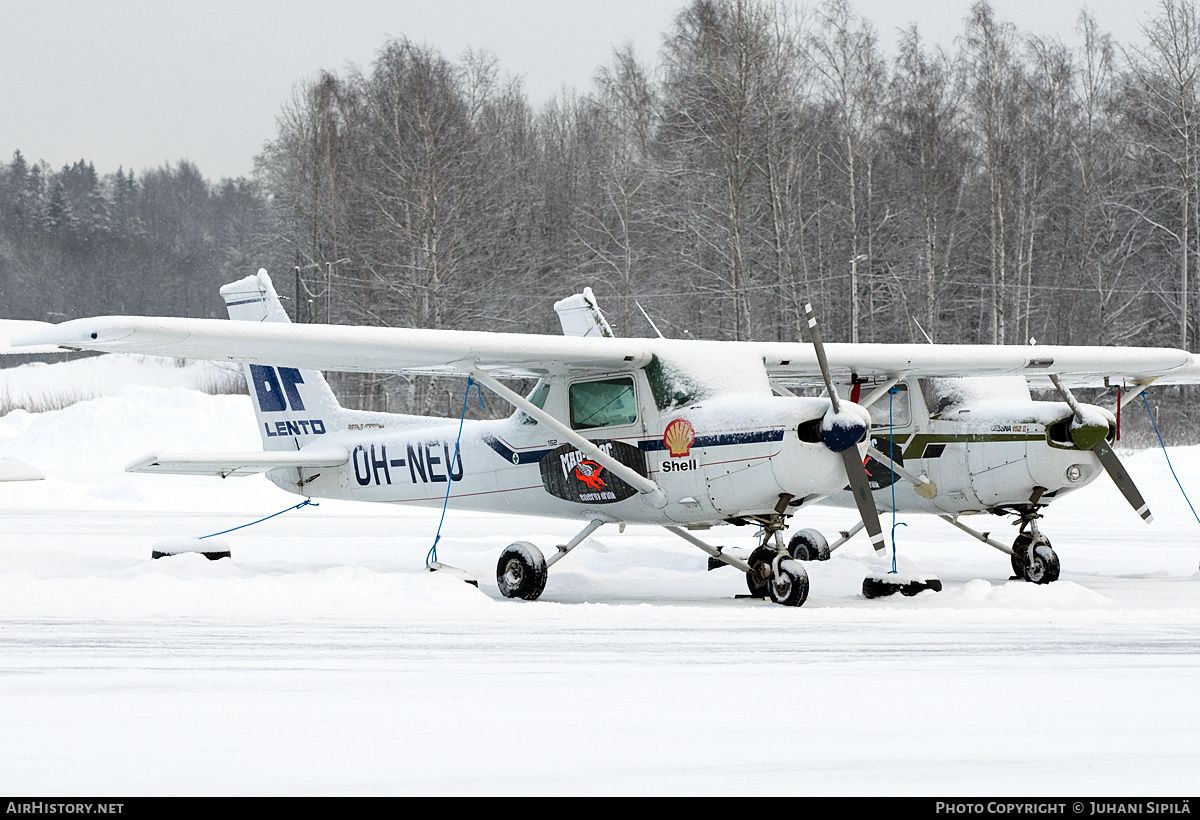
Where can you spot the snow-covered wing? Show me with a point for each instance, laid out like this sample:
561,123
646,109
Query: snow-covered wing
342,348
404,350
1077,366
236,464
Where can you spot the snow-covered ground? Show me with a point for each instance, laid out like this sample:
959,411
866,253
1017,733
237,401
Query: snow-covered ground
323,659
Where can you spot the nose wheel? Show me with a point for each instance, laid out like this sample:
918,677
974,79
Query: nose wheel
789,586
773,574
1034,560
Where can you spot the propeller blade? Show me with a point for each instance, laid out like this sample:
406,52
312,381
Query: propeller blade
1116,471
860,487
819,347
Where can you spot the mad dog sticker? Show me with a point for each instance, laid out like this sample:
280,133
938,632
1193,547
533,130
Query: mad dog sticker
569,474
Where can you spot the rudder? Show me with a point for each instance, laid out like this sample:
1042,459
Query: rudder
293,407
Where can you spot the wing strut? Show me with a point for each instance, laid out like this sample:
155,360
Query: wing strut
882,390
654,493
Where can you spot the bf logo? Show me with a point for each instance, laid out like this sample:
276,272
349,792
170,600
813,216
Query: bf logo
272,388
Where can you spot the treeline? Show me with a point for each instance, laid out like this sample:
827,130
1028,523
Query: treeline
1011,189
75,243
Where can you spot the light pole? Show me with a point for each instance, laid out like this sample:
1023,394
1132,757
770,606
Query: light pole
313,297
854,260
301,286
329,287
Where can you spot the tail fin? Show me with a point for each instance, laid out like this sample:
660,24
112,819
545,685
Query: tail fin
581,316
294,407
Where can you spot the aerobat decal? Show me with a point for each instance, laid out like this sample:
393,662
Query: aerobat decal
880,475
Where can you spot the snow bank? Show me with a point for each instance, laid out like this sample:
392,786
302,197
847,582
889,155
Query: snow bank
43,386
192,586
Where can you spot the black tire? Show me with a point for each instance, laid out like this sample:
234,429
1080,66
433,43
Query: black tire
876,586
809,545
521,571
211,556
1019,557
1043,567
789,586
758,579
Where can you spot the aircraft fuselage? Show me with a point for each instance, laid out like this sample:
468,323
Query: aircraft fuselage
715,460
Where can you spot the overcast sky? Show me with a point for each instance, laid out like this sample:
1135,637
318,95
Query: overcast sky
137,83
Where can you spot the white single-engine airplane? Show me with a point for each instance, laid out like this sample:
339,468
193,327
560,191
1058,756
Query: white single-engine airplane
962,446
680,434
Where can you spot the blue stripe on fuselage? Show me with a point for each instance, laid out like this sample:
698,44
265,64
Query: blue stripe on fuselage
512,456
646,446
759,437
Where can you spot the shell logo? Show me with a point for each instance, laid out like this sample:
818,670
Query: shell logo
679,437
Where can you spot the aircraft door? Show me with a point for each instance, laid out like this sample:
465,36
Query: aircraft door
673,460
606,411
999,470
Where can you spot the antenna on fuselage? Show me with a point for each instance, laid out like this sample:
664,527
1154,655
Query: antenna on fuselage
923,333
648,319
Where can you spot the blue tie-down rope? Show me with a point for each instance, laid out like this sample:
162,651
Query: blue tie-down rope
895,478
431,556
1168,458
303,503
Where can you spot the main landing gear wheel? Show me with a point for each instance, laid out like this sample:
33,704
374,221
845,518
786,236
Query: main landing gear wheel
1034,560
809,545
789,586
521,571
758,579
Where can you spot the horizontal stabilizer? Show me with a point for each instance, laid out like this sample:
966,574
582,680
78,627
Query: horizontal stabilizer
10,328
237,464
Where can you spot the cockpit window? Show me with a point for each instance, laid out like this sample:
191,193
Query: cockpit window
898,415
538,399
940,394
945,394
604,403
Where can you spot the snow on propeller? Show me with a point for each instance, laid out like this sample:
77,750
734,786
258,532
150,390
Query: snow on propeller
679,434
